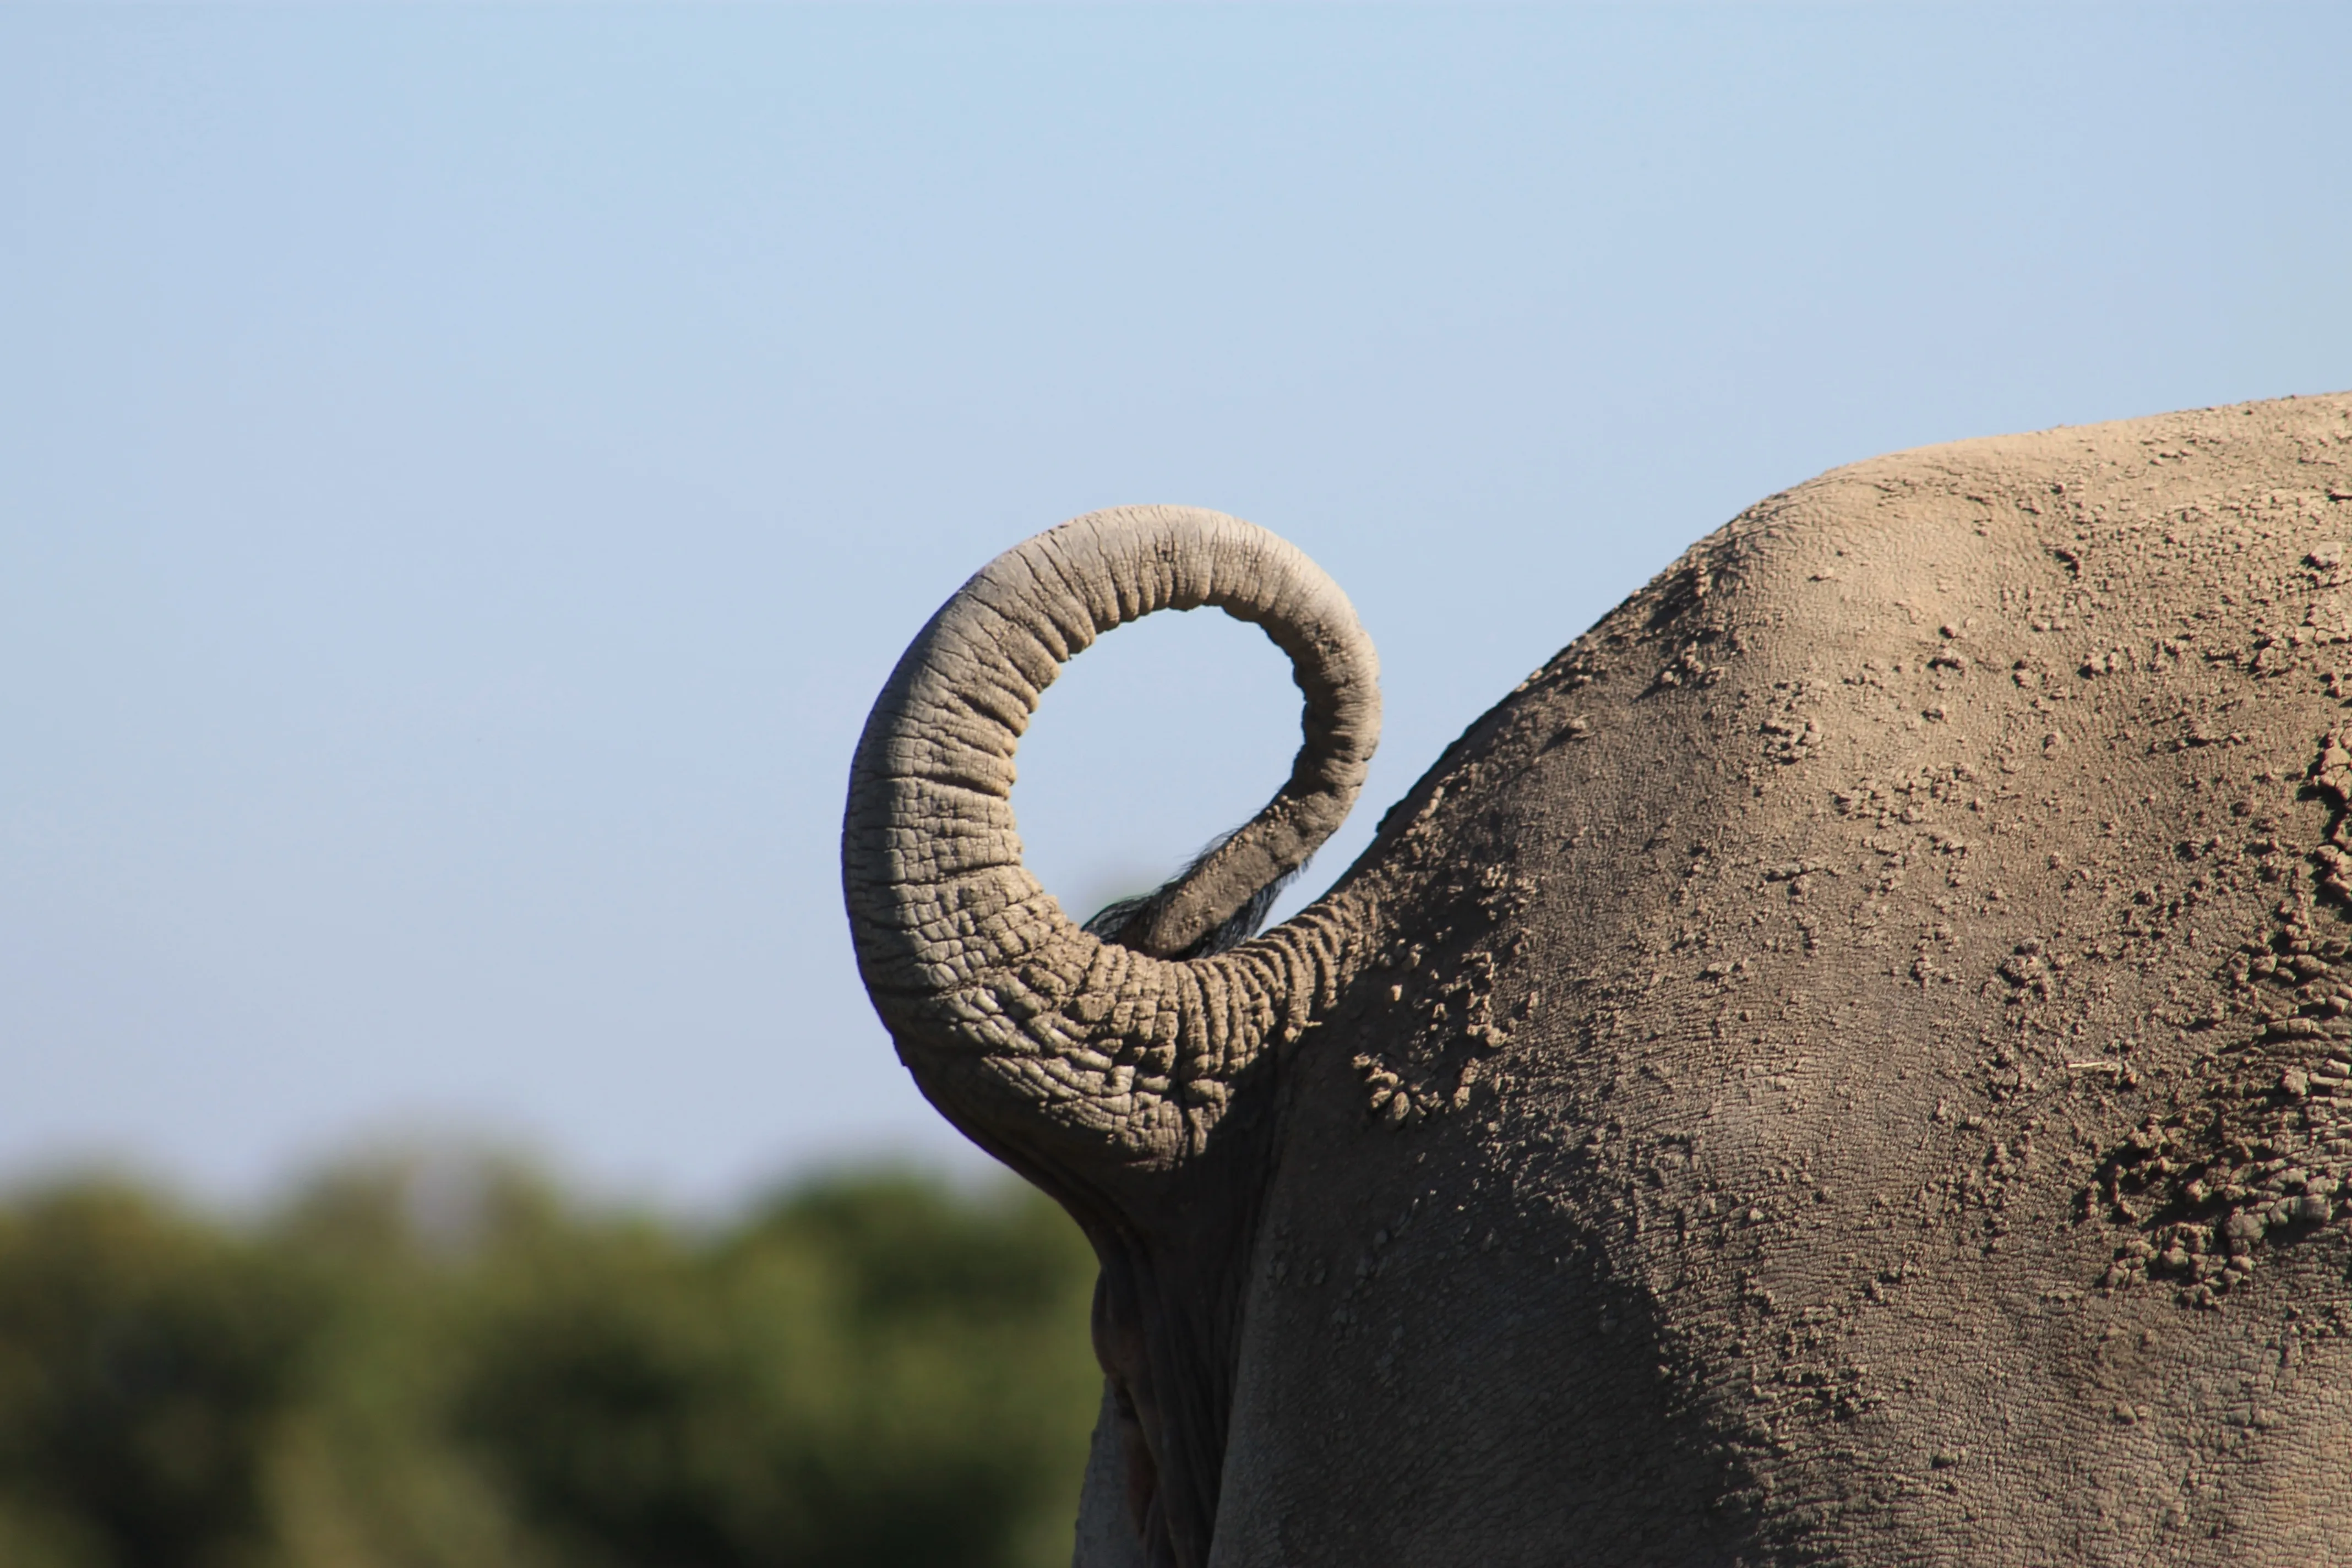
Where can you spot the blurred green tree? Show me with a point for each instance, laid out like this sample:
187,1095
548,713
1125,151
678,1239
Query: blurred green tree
438,1364
144,1358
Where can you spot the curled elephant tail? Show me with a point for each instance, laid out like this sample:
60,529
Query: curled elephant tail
1100,1068
973,967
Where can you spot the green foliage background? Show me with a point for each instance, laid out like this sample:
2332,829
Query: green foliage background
442,1365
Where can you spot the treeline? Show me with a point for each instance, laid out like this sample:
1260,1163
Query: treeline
447,1366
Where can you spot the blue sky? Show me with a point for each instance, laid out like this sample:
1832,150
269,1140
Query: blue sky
464,472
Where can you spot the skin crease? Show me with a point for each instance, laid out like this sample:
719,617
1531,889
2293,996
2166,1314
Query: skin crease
1843,1065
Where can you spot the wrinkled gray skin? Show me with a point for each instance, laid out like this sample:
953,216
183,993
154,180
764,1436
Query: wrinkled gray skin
1850,1062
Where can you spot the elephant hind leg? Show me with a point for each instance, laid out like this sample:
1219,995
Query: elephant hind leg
1111,1516
1123,1501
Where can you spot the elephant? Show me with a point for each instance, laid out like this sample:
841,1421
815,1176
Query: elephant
1849,1062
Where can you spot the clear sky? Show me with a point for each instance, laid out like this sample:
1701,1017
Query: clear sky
464,473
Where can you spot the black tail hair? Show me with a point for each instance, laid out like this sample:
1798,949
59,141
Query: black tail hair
1123,920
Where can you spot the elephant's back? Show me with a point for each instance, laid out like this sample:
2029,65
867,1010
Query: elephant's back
1791,965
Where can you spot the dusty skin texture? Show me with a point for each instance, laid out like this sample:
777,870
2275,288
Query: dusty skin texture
1850,1062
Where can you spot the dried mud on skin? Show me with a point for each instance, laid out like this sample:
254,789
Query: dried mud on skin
1445,982
2261,1153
